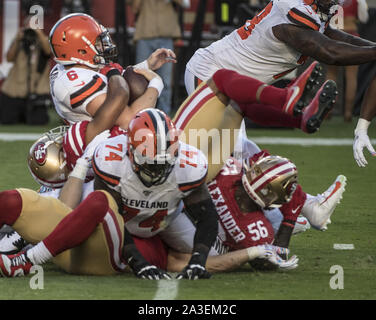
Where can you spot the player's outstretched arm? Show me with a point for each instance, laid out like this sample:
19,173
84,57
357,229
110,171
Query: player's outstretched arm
147,100
235,259
200,207
114,103
367,113
339,35
320,47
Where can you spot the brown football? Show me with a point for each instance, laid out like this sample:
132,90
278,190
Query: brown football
137,83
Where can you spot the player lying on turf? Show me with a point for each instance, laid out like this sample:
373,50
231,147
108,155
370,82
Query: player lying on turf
95,234
238,230
74,142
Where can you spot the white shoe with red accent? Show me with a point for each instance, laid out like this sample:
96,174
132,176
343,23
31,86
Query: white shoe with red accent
301,89
319,209
301,225
15,265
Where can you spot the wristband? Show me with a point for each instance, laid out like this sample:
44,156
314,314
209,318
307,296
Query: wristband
363,124
80,169
113,72
142,65
156,83
253,253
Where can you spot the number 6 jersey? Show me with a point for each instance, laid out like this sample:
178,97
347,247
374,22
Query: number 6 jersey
147,211
73,89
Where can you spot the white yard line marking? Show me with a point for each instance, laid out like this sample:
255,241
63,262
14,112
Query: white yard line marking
343,246
167,289
20,136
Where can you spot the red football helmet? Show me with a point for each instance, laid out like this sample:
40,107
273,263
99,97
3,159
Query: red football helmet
270,181
152,146
79,39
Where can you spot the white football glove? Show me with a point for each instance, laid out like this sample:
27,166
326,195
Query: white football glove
90,148
272,254
362,140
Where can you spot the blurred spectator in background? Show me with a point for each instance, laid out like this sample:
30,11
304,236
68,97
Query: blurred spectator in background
75,6
157,26
26,88
354,11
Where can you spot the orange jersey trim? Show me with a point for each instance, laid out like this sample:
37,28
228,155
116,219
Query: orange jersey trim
112,180
80,96
300,18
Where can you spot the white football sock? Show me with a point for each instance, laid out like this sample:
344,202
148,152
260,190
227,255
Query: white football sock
39,254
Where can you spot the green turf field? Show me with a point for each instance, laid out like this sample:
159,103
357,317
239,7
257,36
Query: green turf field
353,222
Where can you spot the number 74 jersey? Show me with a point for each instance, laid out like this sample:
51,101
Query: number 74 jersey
147,211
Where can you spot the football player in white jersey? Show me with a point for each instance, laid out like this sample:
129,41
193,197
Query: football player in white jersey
279,39
276,41
79,83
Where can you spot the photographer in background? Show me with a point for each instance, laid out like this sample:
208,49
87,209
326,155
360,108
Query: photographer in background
25,92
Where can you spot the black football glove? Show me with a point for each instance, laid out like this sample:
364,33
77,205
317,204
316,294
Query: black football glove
145,270
195,269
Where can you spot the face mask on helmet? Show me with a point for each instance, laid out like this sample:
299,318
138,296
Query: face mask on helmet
270,181
46,161
79,39
152,146
324,8
106,49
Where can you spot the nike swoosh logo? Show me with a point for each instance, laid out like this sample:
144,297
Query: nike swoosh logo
295,210
338,185
294,95
80,84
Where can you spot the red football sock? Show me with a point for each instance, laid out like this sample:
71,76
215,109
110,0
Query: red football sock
243,89
10,207
270,116
78,225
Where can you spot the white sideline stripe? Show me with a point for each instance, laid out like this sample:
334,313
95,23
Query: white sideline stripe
20,136
260,140
167,289
343,246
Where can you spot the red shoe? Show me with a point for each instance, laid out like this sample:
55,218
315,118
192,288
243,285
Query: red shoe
320,106
301,88
15,265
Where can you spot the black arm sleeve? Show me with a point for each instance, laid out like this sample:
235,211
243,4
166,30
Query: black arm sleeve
206,218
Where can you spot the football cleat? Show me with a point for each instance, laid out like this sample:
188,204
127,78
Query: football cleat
15,265
11,243
320,106
319,209
300,90
301,225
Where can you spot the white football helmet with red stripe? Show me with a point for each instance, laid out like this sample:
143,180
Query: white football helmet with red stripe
270,181
46,159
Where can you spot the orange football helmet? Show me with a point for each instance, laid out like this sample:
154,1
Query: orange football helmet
46,160
79,39
270,181
153,146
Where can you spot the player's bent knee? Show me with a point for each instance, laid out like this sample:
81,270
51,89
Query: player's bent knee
10,206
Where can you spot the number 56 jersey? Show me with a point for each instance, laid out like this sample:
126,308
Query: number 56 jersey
147,211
